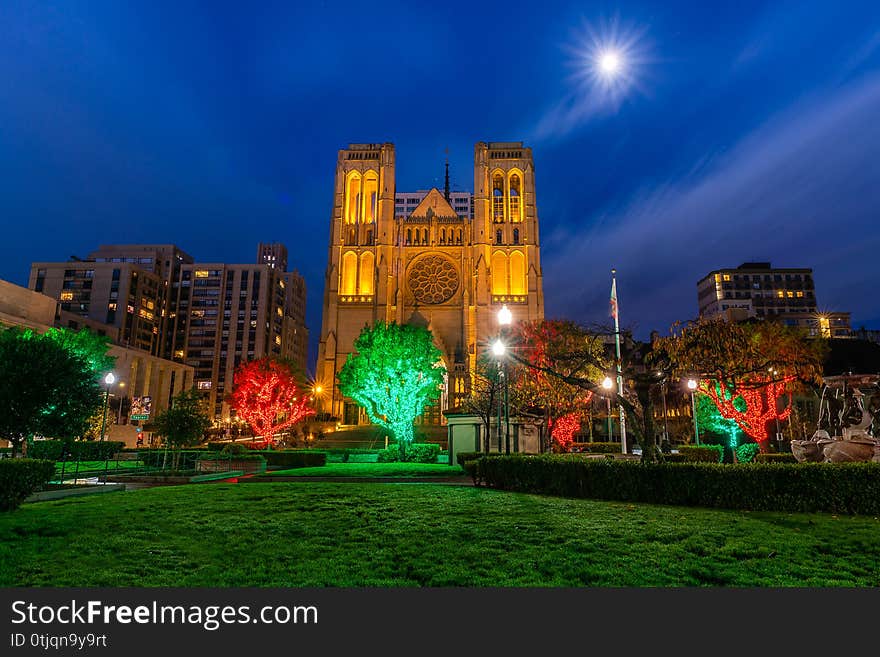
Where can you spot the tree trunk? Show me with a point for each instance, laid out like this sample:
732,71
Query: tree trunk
649,451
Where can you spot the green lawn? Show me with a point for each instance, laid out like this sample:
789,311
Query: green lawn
350,534
373,470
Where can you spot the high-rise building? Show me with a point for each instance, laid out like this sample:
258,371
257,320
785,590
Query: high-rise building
121,294
755,289
393,259
210,316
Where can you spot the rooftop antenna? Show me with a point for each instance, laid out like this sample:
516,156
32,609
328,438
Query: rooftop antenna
446,188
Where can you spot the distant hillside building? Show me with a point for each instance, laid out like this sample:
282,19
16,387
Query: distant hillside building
755,289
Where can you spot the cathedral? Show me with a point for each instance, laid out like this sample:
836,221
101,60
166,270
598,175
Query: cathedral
449,269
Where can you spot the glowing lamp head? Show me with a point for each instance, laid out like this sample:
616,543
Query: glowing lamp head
109,379
607,383
692,384
319,390
505,317
498,348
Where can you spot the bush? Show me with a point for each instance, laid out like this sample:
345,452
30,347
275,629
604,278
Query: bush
296,459
746,452
234,449
215,446
596,448
775,458
674,458
21,477
702,453
74,450
415,453
802,487
464,457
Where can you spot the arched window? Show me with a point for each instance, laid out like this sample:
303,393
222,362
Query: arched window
499,273
365,277
498,198
349,273
516,235
459,236
371,197
515,199
442,236
369,236
353,199
416,242
350,237
409,236
498,238
517,273
424,236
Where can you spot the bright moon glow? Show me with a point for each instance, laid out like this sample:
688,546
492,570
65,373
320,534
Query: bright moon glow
610,63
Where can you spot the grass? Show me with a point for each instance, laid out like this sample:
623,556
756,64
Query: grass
373,470
350,534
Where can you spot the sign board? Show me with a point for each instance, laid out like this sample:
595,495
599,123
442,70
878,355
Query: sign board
141,407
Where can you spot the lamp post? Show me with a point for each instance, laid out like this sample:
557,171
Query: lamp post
774,372
109,379
607,384
499,349
692,386
316,392
505,317
665,415
119,413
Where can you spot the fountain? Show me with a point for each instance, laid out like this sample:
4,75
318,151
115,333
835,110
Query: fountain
849,423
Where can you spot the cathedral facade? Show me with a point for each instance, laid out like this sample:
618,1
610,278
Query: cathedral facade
429,265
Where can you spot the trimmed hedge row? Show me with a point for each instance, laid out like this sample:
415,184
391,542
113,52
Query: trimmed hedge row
852,488
415,453
298,459
596,448
702,453
76,450
775,458
21,477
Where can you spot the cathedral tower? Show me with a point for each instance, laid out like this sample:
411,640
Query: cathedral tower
428,264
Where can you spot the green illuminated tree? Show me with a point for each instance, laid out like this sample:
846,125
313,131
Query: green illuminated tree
710,420
87,344
45,388
394,375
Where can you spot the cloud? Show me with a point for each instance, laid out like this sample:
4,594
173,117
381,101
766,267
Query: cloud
803,190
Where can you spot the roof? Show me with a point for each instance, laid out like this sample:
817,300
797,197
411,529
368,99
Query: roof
434,205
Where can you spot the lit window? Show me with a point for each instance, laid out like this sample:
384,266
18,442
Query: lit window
278,339
204,385
201,273
67,296
800,295
790,294
279,312
726,277
780,293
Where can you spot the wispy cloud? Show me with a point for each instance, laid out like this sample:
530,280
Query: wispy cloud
779,195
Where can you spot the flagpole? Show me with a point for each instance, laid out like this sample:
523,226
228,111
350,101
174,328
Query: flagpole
617,352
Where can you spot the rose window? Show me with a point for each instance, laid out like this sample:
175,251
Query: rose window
433,279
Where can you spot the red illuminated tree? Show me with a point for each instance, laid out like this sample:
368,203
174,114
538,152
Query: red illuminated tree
268,396
565,429
761,397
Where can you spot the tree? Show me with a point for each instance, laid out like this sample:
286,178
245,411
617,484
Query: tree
746,368
185,423
394,375
553,352
87,344
268,396
487,388
710,420
45,388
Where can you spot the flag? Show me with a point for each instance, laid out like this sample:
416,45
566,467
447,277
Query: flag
614,299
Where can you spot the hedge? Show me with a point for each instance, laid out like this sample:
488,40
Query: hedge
75,450
415,453
702,453
596,448
21,477
295,459
775,458
746,452
852,488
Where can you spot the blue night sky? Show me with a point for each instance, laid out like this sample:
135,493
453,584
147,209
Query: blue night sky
736,131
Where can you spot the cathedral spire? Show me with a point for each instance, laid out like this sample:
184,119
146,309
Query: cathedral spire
446,187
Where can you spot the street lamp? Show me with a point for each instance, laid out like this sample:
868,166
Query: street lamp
119,413
505,317
499,350
665,414
607,384
692,386
109,379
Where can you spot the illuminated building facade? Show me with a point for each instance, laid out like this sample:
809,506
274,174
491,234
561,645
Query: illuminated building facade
428,262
